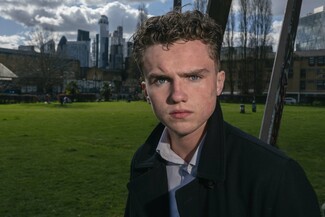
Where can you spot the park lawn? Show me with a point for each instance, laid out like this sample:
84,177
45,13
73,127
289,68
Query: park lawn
73,160
70,160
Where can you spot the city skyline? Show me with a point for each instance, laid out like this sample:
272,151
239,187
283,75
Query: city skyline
19,19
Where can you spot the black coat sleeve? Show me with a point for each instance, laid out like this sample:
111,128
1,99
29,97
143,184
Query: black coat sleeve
295,196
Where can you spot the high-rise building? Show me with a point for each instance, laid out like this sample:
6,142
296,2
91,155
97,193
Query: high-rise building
83,35
311,31
103,42
117,49
94,53
83,38
78,50
48,47
129,49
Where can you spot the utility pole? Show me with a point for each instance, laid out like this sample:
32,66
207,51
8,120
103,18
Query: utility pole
279,78
219,11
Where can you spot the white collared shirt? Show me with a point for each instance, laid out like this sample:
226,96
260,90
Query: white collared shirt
179,172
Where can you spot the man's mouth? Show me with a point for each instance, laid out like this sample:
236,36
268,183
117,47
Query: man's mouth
180,114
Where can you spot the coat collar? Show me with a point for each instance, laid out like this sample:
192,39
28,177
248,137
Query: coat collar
212,160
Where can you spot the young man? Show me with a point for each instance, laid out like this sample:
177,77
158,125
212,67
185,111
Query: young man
194,164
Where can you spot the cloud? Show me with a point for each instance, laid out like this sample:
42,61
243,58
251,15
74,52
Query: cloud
10,42
66,17
275,34
101,2
71,16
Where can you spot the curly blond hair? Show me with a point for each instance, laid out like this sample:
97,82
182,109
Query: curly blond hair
175,26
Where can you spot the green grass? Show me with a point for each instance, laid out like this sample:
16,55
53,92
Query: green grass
73,160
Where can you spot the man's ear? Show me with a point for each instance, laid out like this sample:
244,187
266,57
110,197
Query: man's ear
144,89
220,82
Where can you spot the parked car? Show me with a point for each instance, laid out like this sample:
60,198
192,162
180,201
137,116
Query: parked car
290,100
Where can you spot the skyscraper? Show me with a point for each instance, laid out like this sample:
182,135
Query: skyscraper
103,42
117,49
83,35
84,43
78,50
94,53
48,47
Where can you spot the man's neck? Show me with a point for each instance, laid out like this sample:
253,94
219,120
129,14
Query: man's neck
185,146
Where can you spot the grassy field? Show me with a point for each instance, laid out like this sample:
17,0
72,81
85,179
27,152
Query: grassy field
73,160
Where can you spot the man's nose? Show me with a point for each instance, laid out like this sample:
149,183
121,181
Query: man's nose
178,92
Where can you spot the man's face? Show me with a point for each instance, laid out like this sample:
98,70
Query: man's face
182,84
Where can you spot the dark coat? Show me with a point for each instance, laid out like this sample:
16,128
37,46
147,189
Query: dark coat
237,176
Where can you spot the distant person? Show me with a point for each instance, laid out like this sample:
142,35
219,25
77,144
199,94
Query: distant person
194,164
47,99
61,99
65,100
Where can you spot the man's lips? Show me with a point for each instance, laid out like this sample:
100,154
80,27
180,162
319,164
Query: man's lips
179,114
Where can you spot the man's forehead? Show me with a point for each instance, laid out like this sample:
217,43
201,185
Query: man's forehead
193,52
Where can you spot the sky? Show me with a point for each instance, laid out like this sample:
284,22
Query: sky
20,18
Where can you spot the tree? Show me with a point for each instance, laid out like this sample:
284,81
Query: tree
72,88
260,39
230,50
49,65
106,91
243,27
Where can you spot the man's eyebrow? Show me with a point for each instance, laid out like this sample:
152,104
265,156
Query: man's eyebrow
158,74
194,72
155,75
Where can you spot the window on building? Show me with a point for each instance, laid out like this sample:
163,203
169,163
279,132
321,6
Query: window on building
320,73
302,85
311,61
320,85
302,73
290,73
320,60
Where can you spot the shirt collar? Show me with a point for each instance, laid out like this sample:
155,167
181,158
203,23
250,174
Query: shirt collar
212,156
165,151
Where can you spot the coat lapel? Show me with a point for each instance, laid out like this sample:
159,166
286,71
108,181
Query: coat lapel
148,187
198,198
150,192
212,162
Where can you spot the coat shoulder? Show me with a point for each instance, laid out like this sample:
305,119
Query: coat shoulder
239,140
257,158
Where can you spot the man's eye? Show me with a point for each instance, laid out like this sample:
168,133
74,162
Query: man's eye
161,81
194,77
